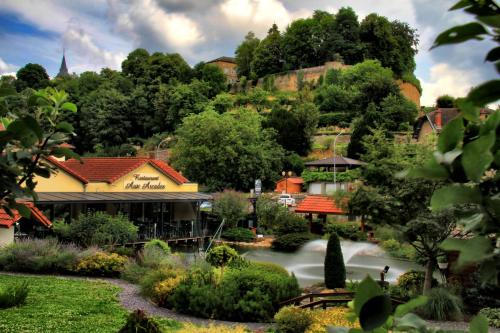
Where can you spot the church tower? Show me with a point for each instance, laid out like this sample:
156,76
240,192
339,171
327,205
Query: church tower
63,70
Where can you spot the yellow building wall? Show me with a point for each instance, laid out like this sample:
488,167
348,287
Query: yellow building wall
59,182
6,236
124,183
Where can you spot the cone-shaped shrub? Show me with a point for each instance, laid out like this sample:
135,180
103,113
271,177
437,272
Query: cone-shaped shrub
334,264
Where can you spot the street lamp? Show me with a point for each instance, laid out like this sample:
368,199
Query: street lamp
286,175
167,139
334,158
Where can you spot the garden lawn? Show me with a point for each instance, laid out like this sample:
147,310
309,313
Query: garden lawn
67,305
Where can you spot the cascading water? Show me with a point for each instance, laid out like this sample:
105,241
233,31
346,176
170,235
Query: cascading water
360,258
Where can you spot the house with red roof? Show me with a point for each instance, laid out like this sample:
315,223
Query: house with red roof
155,196
10,224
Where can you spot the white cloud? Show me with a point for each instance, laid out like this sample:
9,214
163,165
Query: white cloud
446,80
7,69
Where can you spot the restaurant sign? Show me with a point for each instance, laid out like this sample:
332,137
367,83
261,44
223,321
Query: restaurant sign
144,181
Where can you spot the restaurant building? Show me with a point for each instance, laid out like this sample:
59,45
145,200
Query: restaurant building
157,198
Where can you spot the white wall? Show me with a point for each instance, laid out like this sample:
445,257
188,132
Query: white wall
6,236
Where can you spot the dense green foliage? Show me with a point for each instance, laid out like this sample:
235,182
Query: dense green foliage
139,322
31,76
238,235
270,214
445,101
346,230
13,295
312,41
291,242
441,305
97,228
230,206
326,176
492,315
291,319
159,244
411,283
335,273
227,151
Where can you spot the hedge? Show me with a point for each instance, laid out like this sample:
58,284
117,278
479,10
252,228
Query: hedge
324,176
340,119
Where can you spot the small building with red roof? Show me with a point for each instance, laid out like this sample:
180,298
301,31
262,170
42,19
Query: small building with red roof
155,196
320,206
289,185
9,225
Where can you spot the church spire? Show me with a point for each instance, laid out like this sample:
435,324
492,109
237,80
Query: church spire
63,70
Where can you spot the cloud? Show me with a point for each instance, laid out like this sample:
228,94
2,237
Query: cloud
446,80
7,69
151,26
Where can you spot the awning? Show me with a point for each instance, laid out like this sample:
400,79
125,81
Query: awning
316,204
119,197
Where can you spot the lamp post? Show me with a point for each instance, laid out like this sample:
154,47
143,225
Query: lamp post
167,139
334,159
286,175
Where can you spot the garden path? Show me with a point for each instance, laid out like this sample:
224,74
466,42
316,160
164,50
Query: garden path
131,299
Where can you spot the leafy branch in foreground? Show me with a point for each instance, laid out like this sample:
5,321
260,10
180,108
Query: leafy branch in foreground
27,139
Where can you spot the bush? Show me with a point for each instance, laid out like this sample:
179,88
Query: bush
99,228
269,213
335,273
238,235
291,224
13,295
399,250
101,264
269,267
231,206
138,322
133,272
221,256
159,244
412,283
149,283
123,251
493,316
346,230
211,328
441,305
385,232
38,256
292,319
291,242
340,119
336,316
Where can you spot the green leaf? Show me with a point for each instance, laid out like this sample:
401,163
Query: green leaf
432,170
7,90
459,34
486,93
447,158
477,157
69,107
455,195
410,322
403,309
23,210
471,250
375,312
33,125
493,55
65,127
451,135
468,109
367,289
478,324
491,20
471,222
491,123
461,4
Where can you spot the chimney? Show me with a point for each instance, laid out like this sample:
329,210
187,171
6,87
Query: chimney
438,119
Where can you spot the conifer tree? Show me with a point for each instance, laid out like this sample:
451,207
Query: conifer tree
335,274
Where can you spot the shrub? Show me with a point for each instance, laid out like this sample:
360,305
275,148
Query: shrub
269,212
38,256
493,316
290,224
99,228
211,328
123,251
412,283
101,264
335,273
139,322
336,316
151,280
346,230
291,242
231,206
270,267
133,272
391,245
340,119
441,305
159,244
13,295
221,256
399,250
162,290
291,319
385,232
238,235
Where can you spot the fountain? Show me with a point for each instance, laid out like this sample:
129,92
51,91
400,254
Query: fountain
360,258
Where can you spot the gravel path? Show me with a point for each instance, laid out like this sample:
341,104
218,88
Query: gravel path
131,299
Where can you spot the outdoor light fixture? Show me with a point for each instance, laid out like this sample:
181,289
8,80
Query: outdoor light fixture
386,269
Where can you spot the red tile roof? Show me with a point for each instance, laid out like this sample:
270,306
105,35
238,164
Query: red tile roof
318,205
7,221
294,180
64,167
110,169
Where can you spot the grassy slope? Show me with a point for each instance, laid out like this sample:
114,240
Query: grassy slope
61,305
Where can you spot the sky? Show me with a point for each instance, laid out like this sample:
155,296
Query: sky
100,33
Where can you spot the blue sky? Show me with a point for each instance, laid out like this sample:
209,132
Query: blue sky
100,33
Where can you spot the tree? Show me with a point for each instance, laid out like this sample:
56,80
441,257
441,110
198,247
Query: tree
221,256
335,273
346,41
445,101
245,55
268,56
136,65
31,76
425,234
168,69
213,76
227,150
298,47
27,140
230,206
295,127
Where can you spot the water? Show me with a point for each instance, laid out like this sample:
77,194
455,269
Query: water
360,258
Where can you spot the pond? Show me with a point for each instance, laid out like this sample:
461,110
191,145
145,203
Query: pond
360,258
